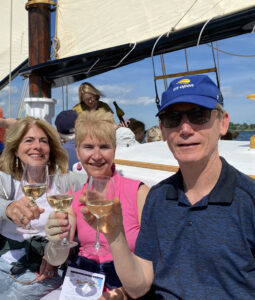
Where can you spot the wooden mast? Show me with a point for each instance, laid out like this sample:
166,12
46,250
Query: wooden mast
39,44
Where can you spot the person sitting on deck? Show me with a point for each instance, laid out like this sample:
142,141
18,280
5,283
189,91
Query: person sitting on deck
125,137
138,128
4,123
65,123
153,134
197,236
95,140
24,273
89,99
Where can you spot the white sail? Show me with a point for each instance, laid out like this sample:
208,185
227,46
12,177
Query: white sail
14,35
86,25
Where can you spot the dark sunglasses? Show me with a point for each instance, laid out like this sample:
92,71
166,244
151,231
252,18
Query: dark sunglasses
198,116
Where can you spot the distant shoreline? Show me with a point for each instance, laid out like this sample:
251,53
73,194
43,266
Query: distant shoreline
242,130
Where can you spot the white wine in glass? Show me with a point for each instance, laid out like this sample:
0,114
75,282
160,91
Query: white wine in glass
100,200
34,185
60,194
60,202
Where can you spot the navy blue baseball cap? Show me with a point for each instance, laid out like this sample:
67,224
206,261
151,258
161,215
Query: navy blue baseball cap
65,121
196,89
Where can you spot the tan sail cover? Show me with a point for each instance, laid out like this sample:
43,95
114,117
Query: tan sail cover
88,25
14,35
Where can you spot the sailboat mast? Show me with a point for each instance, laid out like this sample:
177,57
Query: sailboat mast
39,44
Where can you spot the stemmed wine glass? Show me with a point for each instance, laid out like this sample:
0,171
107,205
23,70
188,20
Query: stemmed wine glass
60,194
34,185
100,200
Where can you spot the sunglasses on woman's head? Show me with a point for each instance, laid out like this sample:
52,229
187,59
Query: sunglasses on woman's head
198,116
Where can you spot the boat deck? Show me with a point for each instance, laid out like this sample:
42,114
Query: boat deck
153,162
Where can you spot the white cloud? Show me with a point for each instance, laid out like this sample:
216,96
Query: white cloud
145,101
110,91
114,90
226,90
234,92
5,90
73,90
131,102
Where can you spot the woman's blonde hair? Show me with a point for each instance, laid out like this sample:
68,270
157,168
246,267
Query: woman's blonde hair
95,123
153,134
14,135
87,87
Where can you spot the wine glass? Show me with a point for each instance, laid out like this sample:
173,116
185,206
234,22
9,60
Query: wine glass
34,185
60,194
100,200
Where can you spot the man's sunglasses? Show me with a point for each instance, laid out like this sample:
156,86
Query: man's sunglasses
198,116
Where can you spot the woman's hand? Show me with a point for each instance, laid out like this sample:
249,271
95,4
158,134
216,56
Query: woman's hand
115,294
123,124
46,271
21,212
57,226
111,225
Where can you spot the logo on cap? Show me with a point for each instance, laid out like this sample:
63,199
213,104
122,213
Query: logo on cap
184,81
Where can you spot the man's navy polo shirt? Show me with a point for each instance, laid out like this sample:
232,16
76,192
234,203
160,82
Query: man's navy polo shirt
204,251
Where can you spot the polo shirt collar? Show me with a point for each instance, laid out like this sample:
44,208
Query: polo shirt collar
221,193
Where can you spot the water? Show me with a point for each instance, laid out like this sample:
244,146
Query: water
244,135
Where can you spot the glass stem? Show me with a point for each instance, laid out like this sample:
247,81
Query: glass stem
97,243
64,241
29,226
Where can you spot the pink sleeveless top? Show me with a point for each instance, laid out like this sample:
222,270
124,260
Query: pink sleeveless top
126,190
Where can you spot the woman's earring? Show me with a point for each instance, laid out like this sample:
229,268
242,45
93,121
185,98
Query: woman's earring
17,162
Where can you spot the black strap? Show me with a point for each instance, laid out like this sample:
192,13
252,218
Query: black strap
34,249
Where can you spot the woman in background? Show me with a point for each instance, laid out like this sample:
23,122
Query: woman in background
89,99
153,134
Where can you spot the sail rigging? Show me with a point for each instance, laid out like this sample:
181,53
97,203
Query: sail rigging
97,36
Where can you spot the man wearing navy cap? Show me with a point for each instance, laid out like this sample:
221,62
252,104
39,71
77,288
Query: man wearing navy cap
197,236
65,122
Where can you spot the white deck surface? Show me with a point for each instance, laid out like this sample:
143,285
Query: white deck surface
237,153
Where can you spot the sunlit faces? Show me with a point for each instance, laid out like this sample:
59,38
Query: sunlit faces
191,142
96,156
34,147
90,100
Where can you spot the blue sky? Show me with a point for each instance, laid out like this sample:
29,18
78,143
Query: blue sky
132,86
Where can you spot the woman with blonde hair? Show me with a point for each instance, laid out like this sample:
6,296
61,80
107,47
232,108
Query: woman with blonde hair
89,99
35,142
95,141
153,134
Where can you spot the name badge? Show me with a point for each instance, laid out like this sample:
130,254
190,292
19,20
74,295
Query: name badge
80,284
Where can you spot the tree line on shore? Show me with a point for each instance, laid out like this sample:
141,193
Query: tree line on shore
241,127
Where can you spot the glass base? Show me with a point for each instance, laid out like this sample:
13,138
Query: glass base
64,245
28,229
97,249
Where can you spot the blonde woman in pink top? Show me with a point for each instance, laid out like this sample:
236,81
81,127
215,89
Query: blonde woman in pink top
95,140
